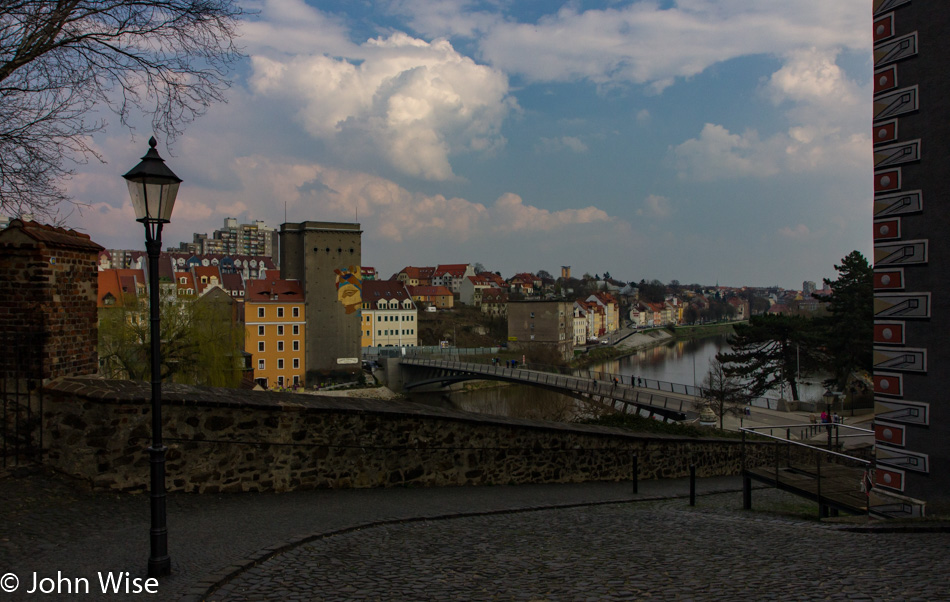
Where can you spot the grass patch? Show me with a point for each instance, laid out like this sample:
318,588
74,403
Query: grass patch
639,424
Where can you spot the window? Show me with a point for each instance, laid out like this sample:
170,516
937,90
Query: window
280,345
260,345
296,379
280,364
280,381
296,312
296,365
280,312
280,330
260,364
260,312
260,330
297,344
296,329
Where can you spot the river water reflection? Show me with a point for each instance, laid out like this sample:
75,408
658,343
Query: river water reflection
682,362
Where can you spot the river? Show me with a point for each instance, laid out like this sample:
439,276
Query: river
684,362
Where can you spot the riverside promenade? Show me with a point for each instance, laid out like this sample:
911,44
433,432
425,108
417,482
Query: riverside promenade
595,541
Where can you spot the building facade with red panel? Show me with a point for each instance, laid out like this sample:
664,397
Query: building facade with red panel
911,137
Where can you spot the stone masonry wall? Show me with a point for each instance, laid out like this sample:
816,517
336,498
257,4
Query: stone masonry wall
228,440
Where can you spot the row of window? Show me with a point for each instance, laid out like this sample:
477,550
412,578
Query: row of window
280,345
392,333
280,329
391,318
280,364
295,312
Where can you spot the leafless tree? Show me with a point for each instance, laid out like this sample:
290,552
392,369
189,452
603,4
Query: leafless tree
724,393
61,59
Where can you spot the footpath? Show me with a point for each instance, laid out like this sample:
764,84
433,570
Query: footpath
596,541
52,527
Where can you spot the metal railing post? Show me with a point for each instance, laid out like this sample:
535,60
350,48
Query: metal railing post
692,484
633,471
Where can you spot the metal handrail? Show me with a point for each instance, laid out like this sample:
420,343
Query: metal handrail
752,430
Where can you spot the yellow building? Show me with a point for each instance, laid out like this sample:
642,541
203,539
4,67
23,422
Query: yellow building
274,331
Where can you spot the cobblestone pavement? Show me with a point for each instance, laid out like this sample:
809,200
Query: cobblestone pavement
661,550
418,544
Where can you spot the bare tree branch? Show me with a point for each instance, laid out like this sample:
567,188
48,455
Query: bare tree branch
61,59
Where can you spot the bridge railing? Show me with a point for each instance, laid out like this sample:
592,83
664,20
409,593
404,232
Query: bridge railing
612,392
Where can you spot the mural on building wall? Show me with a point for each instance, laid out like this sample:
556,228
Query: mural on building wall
349,287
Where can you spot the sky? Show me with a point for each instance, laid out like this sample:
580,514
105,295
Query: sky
706,141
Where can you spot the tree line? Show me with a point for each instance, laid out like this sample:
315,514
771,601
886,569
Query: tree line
772,350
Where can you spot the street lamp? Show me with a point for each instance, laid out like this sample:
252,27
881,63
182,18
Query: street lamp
153,188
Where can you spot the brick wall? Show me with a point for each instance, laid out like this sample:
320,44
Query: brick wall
48,298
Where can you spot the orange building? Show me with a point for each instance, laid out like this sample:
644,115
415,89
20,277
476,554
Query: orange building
274,331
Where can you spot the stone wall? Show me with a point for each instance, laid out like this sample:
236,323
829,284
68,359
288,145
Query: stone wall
230,440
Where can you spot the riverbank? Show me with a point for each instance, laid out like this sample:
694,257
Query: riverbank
704,330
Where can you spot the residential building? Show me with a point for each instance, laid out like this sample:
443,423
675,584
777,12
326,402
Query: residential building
741,306
593,318
611,311
471,288
451,276
638,315
185,282
432,296
275,331
389,315
580,325
524,283
207,277
495,302
325,257
541,323
234,239
414,276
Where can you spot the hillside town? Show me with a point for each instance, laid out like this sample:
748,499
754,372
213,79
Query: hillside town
242,273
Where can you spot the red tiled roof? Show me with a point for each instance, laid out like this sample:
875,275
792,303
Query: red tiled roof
429,291
415,273
258,291
375,291
109,285
456,269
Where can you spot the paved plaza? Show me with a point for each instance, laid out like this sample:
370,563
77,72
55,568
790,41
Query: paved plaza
594,541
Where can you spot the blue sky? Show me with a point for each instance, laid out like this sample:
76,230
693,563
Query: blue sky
699,140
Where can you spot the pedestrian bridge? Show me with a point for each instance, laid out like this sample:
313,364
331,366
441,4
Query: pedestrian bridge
626,398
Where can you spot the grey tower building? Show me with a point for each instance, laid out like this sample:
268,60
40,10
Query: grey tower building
325,257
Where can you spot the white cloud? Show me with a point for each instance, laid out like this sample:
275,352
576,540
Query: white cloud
553,145
656,206
811,75
415,103
719,154
293,27
633,43
510,215
831,119
799,232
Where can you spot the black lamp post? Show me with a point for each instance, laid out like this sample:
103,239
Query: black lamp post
153,188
